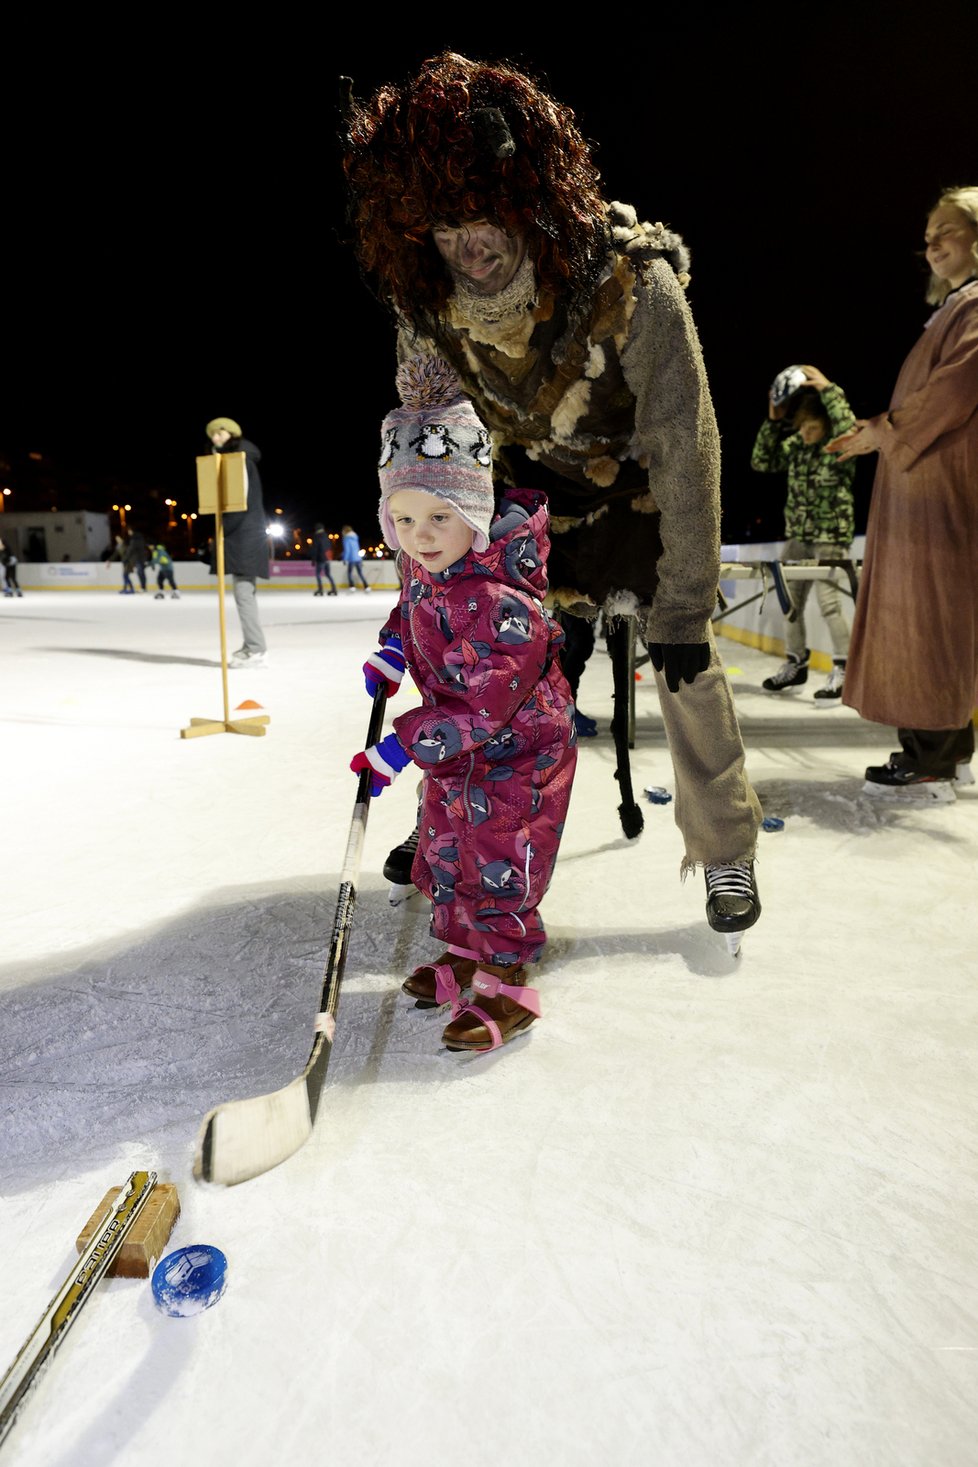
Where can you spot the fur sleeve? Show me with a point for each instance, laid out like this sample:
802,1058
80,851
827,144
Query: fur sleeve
676,436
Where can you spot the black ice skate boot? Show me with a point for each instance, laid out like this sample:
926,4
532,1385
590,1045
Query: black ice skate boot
898,777
732,900
397,867
792,674
831,691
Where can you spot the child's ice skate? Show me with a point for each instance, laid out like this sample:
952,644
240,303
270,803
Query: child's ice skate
506,1008
430,988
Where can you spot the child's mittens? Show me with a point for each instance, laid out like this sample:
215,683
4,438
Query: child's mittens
386,666
385,761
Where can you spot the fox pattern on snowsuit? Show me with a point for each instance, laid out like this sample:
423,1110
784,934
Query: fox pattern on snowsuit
495,737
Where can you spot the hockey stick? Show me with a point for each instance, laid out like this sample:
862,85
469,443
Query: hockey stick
66,1305
621,645
243,1138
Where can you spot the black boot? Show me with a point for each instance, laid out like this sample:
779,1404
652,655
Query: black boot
792,674
397,867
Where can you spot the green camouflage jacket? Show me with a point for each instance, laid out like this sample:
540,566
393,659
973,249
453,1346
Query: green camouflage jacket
819,501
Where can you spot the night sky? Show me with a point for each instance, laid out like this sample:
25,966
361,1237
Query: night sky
174,220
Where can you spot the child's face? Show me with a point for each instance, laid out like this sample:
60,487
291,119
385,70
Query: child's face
809,430
428,529
219,437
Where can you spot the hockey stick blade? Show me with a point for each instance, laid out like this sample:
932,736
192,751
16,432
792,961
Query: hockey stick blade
241,1139
64,1308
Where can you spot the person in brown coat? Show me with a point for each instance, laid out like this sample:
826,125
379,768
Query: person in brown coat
913,661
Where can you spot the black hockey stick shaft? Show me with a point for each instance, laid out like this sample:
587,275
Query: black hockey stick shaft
244,1138
345,906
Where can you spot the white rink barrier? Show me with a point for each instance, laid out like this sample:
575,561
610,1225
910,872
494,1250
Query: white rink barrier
761,623
192,575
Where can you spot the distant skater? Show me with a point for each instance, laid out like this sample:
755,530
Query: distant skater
9,562
320,560
163,562
351,557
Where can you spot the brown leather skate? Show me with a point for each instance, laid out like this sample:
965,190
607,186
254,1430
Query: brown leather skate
421,985
502,1007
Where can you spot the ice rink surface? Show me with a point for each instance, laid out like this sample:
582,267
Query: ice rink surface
708,1211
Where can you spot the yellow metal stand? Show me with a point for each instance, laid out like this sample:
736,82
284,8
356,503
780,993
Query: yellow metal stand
221,485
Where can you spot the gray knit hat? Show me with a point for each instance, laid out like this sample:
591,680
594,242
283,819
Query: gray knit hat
435,442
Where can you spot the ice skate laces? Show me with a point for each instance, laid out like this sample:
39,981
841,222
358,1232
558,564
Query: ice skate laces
730,881
787,673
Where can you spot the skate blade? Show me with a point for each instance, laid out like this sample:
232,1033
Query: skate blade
965,775
399,894
733,941
936,792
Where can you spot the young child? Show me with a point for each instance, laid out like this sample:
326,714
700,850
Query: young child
163,561
805,410
495,734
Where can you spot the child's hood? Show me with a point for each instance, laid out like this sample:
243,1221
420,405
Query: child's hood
519,544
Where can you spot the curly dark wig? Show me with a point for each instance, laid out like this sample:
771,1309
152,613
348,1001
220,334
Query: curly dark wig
466,140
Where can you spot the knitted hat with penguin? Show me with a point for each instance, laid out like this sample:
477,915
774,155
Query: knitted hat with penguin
435,442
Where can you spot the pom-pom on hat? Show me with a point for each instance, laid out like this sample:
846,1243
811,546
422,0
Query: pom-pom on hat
436,442
216,424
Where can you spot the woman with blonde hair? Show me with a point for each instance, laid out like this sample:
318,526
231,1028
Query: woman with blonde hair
913,661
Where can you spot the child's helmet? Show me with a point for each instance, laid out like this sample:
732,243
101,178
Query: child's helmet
787,383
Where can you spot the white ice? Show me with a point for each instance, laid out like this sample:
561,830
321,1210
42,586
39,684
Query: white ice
708,1211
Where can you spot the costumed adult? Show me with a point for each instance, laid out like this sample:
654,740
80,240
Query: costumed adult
476,214
913,660
245,543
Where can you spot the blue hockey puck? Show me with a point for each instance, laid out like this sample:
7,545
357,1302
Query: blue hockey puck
771,822
190,1280
656,795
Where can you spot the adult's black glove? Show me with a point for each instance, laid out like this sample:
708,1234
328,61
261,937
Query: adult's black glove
680,661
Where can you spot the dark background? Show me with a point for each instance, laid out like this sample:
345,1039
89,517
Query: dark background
174,216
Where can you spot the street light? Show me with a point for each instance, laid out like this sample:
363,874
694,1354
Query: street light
275,532
3,500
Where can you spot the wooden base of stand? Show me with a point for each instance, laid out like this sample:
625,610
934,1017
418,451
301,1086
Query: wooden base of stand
201,726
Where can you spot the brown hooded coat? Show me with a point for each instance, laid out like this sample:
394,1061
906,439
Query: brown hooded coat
913,661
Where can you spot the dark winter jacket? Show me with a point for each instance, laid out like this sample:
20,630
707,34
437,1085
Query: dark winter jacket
135,554
320,547
245,533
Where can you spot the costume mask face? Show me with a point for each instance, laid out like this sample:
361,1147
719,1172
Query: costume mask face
479,254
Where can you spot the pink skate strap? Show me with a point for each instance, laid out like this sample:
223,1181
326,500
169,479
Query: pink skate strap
491,1025
491,986
446,987
463,952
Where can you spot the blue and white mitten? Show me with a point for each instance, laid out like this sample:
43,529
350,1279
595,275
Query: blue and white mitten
385,761
386,665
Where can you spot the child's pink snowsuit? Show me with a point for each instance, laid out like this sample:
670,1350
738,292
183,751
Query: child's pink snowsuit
496,737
